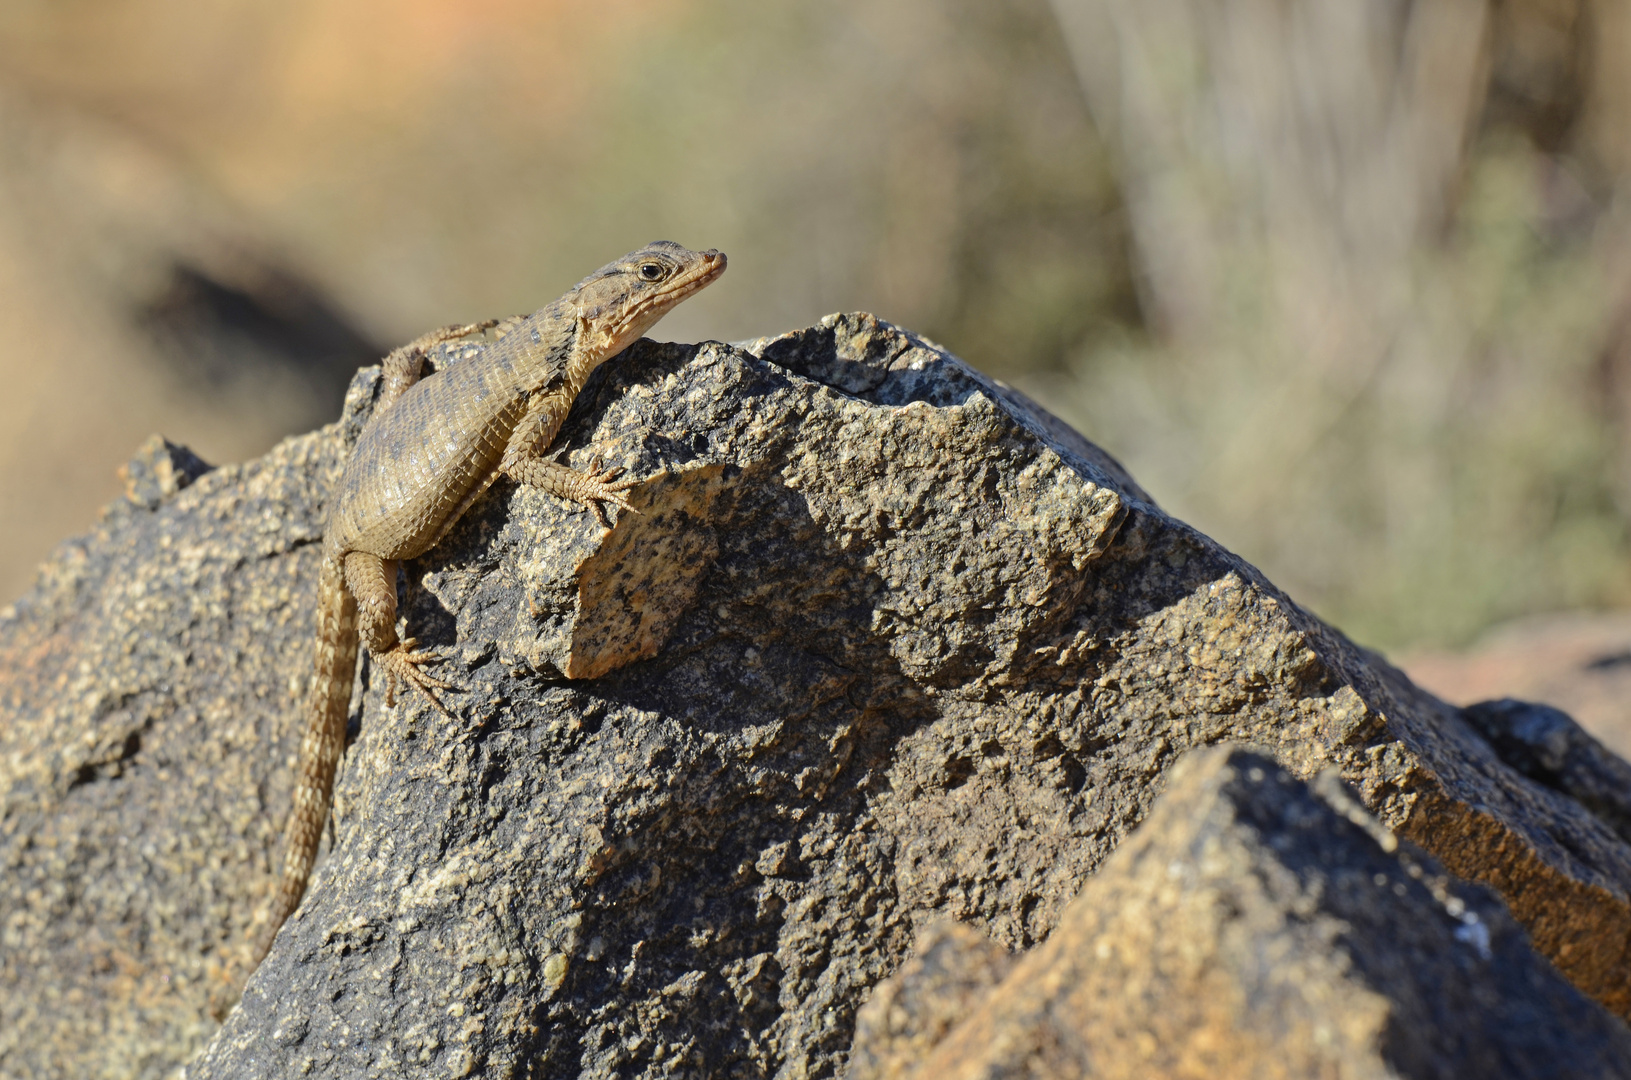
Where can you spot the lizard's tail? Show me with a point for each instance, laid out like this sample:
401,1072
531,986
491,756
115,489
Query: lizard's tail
327,708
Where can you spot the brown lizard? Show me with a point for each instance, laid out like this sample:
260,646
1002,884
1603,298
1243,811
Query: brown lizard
432,446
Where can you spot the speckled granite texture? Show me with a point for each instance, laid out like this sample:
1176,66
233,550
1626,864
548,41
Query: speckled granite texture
1254,926
886,644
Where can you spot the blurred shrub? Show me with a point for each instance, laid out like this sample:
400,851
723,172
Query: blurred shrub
1386,259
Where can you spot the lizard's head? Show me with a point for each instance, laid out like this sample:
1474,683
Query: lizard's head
624,299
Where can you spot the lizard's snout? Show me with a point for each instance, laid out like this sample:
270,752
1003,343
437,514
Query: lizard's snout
713,264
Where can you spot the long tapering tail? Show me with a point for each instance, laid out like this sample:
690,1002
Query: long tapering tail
327,707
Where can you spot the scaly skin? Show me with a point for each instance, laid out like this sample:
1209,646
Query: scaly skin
431,448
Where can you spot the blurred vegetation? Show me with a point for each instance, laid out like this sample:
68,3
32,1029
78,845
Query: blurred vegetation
1383,247
1343,284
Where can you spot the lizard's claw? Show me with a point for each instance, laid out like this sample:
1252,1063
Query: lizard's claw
405,664
597,491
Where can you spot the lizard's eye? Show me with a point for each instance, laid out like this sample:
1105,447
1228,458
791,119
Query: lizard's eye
651,271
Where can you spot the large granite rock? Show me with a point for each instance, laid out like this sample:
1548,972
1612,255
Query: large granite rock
1253,926
886,644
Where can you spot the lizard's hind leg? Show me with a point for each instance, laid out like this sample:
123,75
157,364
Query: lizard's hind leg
372,580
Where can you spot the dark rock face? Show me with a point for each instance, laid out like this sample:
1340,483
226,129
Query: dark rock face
1253,926
147,699
1546,745
886,644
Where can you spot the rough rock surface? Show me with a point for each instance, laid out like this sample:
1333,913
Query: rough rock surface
1253,926
886,644
1546,745
952,972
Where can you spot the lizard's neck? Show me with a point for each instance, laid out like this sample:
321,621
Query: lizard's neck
591,346
543,355
580,364
564,335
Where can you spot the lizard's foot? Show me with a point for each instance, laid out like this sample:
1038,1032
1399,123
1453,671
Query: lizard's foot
405,664
596,490
593,488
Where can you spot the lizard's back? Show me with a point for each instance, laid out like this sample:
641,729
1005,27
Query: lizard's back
418,465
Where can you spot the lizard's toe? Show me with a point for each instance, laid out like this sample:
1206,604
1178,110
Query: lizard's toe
600,493
404,663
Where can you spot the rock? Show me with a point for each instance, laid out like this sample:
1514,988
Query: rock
953,969
878,650
148,701
1253,926
1547,746
159,469
138,298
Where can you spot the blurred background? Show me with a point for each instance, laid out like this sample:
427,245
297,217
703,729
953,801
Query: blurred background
1346,285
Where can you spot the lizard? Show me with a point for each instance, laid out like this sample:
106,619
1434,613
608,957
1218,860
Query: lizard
433,445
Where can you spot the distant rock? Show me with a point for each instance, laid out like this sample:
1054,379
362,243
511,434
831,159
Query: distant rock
1579,662
886,644
137,298
1253,926
1547,746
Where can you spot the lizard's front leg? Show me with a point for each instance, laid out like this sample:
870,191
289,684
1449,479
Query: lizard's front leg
523,461
402,366
372,580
